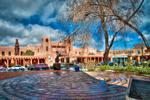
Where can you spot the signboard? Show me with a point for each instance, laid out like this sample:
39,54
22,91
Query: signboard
139,88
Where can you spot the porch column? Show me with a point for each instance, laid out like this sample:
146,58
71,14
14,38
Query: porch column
130,58
7,62
138,58
12,61
82,59
99,59
111,59
90,58
86,60
94,59
38,60
15,60
31,61
44,60
23,62
102,59
64,60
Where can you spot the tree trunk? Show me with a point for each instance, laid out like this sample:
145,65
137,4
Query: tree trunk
106,56
106,53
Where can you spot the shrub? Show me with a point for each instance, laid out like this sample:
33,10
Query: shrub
90,66
118,69
130,68
143,70
28,53
104,67
137,70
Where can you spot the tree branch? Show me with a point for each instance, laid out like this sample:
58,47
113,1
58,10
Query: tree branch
130,25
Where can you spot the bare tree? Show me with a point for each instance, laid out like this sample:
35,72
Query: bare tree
117,14
132,17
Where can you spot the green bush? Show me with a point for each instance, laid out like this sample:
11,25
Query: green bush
146,63
118,69
143,70
104,67
28,53
137,70
130,68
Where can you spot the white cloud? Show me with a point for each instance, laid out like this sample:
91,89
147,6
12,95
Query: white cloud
53,11
39,31
118,38
20,8
26,35
24,9
9,29
47,12
96,44
146,34
127,39
110,38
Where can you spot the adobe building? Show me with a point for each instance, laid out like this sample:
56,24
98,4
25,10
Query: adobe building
45,52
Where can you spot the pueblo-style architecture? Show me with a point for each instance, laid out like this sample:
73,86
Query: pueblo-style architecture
45,52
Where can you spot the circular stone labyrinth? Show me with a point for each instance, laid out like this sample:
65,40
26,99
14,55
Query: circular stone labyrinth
59,86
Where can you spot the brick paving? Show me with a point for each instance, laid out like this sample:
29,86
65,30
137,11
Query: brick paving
6,75
115,78
62,85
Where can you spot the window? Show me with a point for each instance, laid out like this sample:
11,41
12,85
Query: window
46,48
91,53
53,46
137,52
21,52
146,51
62,46
3,53
46,40
9,53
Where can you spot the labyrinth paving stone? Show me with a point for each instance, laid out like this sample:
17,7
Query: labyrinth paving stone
59,85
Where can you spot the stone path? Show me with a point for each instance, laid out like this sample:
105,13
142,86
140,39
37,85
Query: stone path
59,86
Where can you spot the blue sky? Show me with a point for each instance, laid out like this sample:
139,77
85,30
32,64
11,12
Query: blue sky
29,20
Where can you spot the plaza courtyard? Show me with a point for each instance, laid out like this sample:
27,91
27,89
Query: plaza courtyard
74,49
61,85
